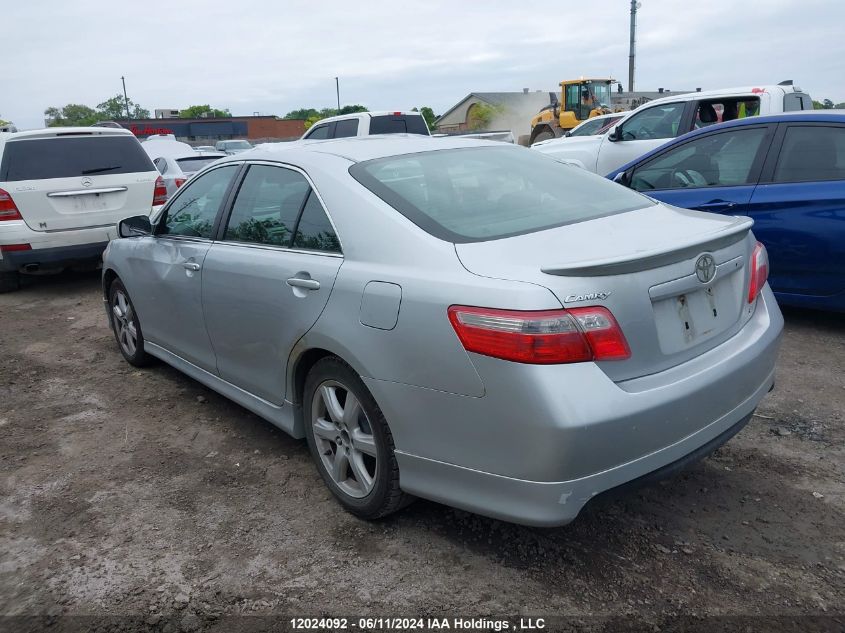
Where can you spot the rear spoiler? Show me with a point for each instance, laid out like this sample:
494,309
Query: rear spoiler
635,262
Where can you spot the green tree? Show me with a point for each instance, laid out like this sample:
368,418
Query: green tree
840,106
198,111
71,114
311,115
352,109
301,113
115,108
429,116
482,114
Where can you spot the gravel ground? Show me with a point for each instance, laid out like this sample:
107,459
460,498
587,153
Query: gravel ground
142,494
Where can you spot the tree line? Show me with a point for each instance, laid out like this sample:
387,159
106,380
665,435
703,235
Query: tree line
312,115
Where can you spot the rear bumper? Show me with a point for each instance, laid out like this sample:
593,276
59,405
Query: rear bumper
53,247
543,441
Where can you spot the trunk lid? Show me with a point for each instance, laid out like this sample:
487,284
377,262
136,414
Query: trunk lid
641,265
79,180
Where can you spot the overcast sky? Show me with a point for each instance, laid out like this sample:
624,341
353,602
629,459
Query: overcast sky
274,56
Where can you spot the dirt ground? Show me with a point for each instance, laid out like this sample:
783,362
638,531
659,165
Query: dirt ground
141,494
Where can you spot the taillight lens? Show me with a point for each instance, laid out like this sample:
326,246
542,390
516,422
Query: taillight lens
759,271
160,192
543,337
8,209
8,248
179,181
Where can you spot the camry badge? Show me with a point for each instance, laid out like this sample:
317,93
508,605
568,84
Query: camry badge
590,296
705,268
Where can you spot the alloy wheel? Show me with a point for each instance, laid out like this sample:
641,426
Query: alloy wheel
344,439
124,322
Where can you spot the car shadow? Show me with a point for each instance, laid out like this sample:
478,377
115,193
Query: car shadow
67,281
814,319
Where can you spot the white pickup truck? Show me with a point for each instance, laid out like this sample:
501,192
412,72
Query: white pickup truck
654,123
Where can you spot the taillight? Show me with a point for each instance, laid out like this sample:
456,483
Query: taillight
759,271
179,181
543,337
8,210
8,248
160,192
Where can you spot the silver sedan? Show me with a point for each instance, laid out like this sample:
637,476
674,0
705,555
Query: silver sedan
459,320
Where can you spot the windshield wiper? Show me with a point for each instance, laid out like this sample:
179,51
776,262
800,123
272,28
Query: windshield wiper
97,170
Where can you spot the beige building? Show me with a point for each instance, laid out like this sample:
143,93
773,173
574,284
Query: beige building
510,111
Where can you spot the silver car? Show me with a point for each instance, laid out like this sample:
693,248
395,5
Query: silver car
459,320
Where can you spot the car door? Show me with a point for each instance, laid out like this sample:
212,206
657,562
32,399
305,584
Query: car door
715,172
165,276
799,209
642,132
268,277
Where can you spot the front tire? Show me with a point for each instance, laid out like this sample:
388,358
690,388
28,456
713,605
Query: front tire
350,441
10,281
125,325
545,135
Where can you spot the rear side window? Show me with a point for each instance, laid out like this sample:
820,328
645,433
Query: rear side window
398,124
314,231
346,128
478,194
796,101
73,156
811,153
192,165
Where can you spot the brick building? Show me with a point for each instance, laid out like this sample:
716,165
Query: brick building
253,128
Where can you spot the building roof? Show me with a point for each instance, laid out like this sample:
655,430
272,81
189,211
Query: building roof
506,100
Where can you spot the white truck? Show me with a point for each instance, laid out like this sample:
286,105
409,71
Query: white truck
654,123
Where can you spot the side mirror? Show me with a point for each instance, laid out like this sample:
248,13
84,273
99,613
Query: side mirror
135,226
616,134
568,134
624,177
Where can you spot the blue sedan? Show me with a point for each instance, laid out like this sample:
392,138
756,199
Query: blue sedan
785,171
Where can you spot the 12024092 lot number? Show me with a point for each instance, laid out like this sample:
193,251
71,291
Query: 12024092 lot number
418,624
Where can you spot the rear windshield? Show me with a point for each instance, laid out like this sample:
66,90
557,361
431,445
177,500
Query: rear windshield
400,124
486,193
237,145
191,165
72,156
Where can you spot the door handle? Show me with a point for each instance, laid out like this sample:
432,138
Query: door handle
717,205
308,284
191,266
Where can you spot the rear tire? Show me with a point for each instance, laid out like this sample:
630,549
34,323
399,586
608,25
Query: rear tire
350,441
125,325
545,135
10,281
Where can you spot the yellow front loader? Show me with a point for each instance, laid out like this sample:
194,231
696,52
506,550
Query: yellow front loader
580,99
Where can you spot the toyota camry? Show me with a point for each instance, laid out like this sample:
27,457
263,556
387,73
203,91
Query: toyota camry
453,319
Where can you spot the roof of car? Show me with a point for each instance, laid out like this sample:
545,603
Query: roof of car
352,115
360,148
69,131
799,116
719,92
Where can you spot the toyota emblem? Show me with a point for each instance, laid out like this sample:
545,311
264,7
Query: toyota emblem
87,182
705,268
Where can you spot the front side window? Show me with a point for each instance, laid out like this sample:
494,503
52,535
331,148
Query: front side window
321,131
663,121
268,203
193,211
811,153
478,194
716,160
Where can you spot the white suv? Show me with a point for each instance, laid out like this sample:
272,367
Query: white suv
654,123
62,192
366,124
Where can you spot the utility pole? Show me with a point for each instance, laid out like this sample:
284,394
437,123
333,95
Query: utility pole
125,98
337,86
633,52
